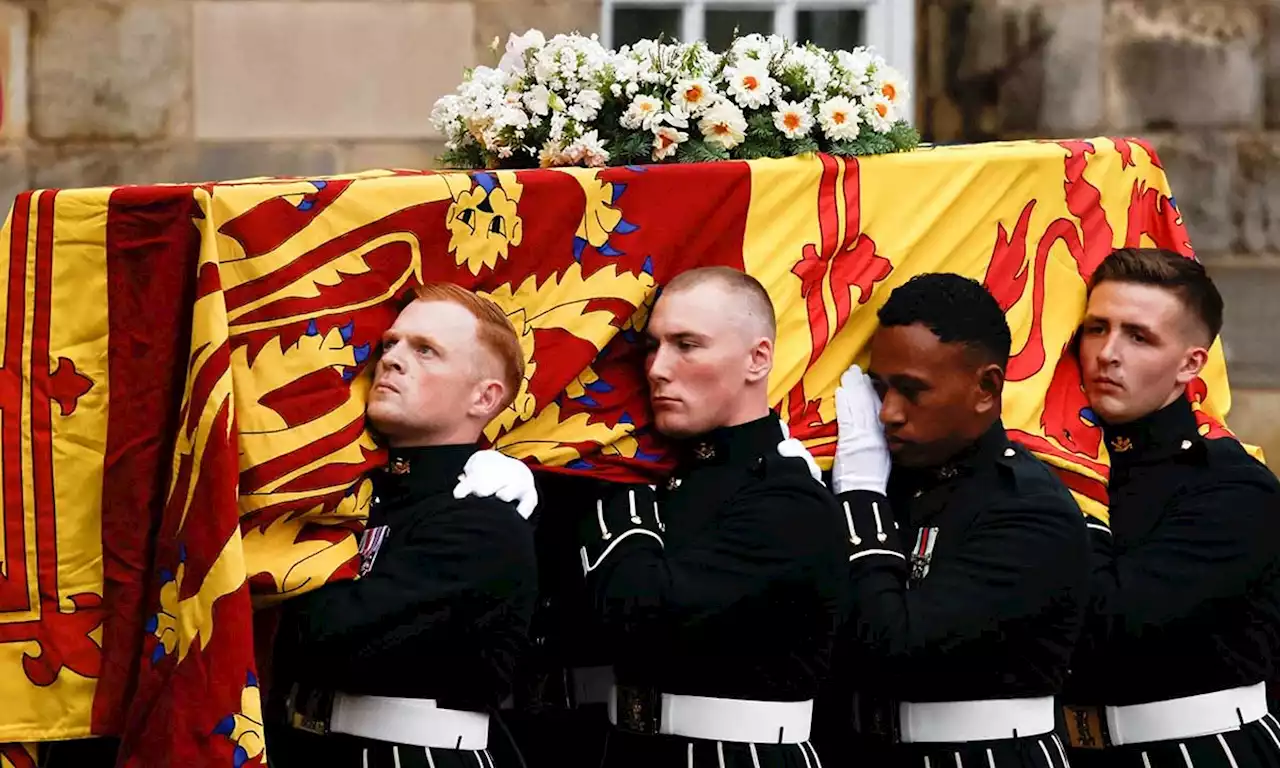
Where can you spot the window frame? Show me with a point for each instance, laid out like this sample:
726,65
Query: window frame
890,24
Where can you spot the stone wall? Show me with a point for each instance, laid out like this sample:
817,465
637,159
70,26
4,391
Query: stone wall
104,92
1199,78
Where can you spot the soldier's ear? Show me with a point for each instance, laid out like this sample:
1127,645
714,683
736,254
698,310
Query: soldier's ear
1193,363
489,394
760,360
990,388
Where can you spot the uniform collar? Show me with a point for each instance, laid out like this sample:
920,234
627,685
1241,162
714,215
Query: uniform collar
734,445
1158,436
991,446
415,473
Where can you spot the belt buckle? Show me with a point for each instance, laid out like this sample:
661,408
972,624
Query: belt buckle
880,717
1086,727
309,709
639,710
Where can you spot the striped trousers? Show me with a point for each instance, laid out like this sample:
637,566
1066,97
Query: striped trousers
291,748
1031,752
628,750
1256,745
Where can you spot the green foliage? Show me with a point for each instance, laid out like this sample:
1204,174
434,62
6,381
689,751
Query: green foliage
466,157
699,151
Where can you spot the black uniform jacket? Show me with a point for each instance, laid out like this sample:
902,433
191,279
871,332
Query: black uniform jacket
444,611
968,582
726,582
1186,583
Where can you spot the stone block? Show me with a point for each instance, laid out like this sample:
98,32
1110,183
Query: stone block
14,177
70,166
14,28
1271,35
1183,63
364,156
267,69
1203,172
1255,418
499,18
227,161
1073,61
111,69
1257,195
1251,319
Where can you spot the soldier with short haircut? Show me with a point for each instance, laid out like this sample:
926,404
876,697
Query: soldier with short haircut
1185,605
968,558
401,667
720,589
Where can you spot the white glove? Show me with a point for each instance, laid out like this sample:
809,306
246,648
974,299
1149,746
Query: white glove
862,455
793,448
489,473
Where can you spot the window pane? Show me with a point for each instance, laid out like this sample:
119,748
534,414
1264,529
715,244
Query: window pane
719,26
630,25
833,30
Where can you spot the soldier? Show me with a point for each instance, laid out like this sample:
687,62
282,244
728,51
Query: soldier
722,588
400,667
958,641
1185,604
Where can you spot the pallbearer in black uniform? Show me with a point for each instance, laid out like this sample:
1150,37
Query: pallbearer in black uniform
400,668
1185,610
968,562
721,589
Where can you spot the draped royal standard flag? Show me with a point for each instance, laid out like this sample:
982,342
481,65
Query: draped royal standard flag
193,445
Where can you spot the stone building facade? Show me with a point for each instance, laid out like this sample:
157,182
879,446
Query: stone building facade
101,92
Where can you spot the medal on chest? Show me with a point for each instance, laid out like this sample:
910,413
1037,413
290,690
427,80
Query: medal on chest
370,542
922,554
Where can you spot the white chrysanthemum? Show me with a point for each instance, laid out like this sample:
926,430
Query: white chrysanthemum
642,113
880,114
815,67
513,58
723,125
666,141
793,119
750,85
892,85
588,150
840,119
693,96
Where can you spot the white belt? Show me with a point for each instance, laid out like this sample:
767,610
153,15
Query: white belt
416,722
958,722
1188,717
735,720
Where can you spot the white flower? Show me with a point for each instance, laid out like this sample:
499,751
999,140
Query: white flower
693,96
588,150
538,99
751,47
724,125
513,59
750,85
616,90
642,113
892,86
586,105
793,119
839,119
633,89
666,140
880,114
675,117
550,155
815,68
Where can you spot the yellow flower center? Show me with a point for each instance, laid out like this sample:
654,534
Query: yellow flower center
883,110
889,91
750,82
838,118
792,121
693,93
